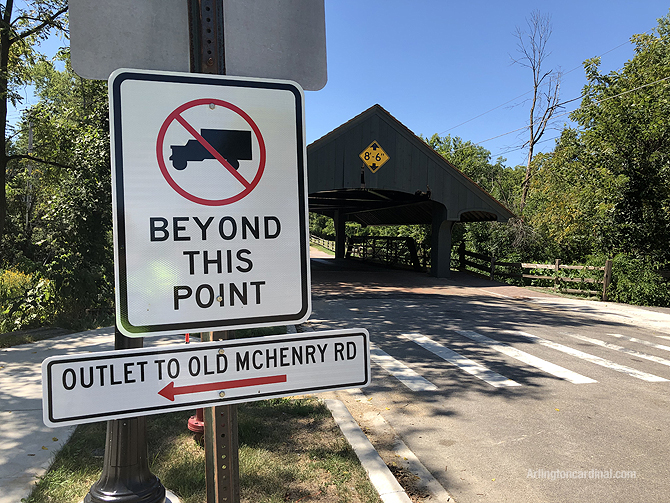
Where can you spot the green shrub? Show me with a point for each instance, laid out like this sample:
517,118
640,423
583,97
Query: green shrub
636,281
26,300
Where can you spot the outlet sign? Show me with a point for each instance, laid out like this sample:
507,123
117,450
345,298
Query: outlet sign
90,387
209,202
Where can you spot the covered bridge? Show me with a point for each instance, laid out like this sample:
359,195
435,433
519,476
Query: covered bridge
373,170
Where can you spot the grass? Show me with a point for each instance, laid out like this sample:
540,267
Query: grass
321,248
291,450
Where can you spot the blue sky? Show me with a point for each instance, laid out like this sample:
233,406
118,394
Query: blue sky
437,64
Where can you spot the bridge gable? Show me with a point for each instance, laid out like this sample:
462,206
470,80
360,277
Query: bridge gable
405,189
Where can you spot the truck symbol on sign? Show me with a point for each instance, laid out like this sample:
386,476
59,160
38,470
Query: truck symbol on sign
234,146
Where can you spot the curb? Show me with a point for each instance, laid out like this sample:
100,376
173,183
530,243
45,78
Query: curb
390,491
406,457
386,485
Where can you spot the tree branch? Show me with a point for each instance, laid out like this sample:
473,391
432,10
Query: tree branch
49,21
37,159
27,18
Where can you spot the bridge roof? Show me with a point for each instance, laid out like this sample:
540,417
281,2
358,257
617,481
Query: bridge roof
404,190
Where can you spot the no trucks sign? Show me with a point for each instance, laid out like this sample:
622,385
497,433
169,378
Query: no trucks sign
209,201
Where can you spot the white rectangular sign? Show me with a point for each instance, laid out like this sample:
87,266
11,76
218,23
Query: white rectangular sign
281,39
91,387
210,202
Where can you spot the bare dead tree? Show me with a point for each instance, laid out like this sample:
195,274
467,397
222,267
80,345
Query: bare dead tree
532,49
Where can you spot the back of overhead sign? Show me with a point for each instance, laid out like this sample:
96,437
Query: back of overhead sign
281,39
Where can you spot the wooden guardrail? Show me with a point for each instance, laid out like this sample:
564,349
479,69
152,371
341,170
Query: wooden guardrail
390,250
326,243
555,272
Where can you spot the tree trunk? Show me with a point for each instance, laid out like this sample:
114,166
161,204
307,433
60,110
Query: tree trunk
4,63
532,47
526,180
531,145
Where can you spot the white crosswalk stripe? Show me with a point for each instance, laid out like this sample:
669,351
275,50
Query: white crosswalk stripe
400,371
591,358
641,341
469,366
416,382
527,358
616,347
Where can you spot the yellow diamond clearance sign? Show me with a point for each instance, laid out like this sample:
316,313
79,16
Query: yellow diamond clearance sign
374,156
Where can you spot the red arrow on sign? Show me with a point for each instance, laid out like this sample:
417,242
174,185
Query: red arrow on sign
170,390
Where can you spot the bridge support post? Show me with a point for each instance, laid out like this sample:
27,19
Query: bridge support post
440,252
339,222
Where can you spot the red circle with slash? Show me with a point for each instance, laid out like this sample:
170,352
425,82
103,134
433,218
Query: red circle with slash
176,116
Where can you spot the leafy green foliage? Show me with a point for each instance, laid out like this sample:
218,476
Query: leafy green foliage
27,300
618,164
20,29
636,281
321,226
571,200
64,233
29,25
510,240
605,190
500,181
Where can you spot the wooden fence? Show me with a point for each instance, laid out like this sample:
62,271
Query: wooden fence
403,251
389,250
556,272
326,243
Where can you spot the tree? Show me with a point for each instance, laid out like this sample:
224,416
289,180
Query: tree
475,161
68,240
512,239
532,48
571,199
20,30
626,137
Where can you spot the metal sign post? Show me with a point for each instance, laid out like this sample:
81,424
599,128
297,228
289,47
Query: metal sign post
221,454
221,433
221,446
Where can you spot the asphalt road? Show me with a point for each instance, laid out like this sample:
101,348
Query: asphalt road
466,374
